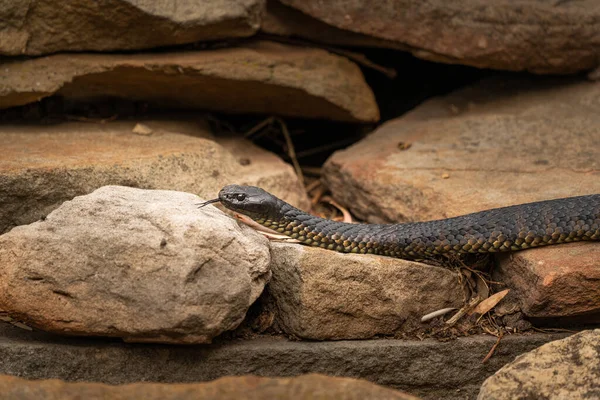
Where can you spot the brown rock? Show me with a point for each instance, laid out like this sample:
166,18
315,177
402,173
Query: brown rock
409,365
147,266
247,387
282,20
536,36
40,27
555,282
324,295
44,165
498,143
564,369
260,77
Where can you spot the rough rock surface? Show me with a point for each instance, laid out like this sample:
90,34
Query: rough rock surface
147,266
412,366
40,27
282,20
558,282
258,77
44,165
564,369
498,143
228,388
536,36
325,295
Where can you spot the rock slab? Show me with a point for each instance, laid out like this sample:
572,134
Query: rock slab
325,295
43,166
144,265
498,143
535,36
228,388
559,282
282,20
40,27
564,369
257,77
412,366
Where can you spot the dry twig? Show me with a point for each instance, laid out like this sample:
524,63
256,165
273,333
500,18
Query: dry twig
345,213
491,352
291,151
94,120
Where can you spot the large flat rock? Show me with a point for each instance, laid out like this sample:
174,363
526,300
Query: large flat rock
227,388
498,143
282,20
44,165
257,77
143,265
410,366
536,36
325,295
564,369
40,27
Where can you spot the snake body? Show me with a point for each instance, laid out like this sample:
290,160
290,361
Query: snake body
503,229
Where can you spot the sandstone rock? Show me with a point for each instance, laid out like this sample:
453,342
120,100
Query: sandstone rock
259,77
409,365
40,27
498,143
325,295
147,266
536,36
44,165
563,369
247,387
555,282
282,20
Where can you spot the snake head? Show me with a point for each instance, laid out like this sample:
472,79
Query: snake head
249,200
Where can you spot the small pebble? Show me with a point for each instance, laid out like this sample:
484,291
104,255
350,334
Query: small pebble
142,129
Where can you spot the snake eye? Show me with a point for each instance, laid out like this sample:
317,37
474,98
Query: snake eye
240,197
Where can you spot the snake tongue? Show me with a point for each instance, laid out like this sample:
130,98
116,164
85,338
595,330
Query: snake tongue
205,203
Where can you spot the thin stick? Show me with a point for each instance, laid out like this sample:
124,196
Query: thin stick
94,120
288,141
259,126
491,352
359,58
346,214
313,185
316,171
220,124
437,313
317,196
325,147
279,238
291,150
464,310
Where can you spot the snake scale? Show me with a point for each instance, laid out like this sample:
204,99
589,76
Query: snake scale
503,229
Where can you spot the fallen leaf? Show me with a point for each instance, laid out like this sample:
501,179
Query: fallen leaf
489,303
22,326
